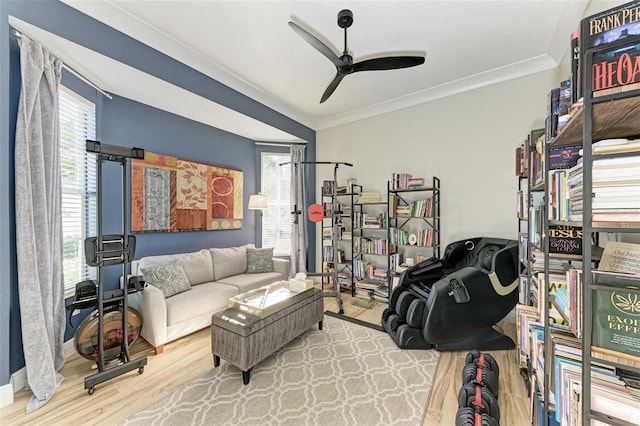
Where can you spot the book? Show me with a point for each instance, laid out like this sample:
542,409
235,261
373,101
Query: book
616,70
620,257
565,239
610,25
626,146
616,217
564,157
524,315
553,109
327,187
575,67
369,197
616,326
604,28
618,279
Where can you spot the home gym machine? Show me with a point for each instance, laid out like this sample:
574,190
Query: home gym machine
336,222
106,334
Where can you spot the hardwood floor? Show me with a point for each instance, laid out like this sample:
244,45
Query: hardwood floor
190,357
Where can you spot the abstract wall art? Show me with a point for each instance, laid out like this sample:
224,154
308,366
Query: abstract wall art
169,194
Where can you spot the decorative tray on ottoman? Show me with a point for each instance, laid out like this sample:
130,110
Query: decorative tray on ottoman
265,300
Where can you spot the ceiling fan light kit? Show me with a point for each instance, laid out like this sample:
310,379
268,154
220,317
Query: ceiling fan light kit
344,64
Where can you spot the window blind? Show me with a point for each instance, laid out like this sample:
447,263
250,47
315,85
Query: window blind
276,222
77,123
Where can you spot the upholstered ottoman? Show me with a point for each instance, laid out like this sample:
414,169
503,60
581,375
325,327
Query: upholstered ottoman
244,340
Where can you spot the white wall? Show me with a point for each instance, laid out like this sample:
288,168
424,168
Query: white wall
467,140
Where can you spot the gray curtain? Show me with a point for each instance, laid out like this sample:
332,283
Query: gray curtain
298,232
38,193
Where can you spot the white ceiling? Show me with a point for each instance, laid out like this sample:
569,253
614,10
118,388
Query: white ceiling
248,46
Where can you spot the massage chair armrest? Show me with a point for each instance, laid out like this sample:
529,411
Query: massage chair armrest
425,272
448,320
505,270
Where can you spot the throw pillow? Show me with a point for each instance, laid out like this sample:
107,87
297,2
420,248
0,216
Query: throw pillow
170,278
259,260
229,261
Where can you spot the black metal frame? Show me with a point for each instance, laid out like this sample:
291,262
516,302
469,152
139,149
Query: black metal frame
335,220
117,252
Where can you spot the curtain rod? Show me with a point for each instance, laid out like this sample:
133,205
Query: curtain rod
77,74
283,144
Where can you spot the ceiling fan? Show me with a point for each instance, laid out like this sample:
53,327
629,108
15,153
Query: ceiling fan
344,64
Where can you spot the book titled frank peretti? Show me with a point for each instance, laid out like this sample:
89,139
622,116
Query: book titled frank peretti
610,25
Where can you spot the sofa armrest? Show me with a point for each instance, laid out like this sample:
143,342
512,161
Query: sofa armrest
281,266
152,306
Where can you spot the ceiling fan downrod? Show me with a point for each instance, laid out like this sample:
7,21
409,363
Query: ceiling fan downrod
345,20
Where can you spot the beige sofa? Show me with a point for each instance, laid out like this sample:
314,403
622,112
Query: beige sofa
214,275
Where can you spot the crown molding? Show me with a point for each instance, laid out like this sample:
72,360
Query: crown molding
494,76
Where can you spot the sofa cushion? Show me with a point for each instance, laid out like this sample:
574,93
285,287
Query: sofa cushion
198,266
206,298
151,261
259,260
170,278
246,282
229,261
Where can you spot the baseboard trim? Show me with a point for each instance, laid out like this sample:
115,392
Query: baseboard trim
19,378
6,395
69,348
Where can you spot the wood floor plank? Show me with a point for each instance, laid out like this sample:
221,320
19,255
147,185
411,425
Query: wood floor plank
190,357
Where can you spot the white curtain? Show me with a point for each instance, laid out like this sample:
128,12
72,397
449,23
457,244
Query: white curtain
38,195
298,202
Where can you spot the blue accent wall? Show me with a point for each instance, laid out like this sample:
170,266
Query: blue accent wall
124,122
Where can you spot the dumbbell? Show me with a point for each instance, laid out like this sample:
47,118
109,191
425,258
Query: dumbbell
472,373
479,399
468,417
484,360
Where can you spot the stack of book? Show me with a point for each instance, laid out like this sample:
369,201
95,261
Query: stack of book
401,181
395,260
363,220
379,246
609,395
368,197
616,189
327,187
381,293
561,163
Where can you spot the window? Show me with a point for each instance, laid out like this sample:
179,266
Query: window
77,123
276,222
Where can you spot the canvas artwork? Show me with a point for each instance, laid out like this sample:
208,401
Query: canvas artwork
169,194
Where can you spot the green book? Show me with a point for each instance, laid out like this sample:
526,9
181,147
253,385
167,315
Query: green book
616,314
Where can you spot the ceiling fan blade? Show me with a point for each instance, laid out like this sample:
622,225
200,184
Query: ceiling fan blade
332,87
317,44
388,63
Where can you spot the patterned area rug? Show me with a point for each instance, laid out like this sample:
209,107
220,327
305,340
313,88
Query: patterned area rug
346,374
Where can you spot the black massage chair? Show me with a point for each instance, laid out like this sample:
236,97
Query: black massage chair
453,303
